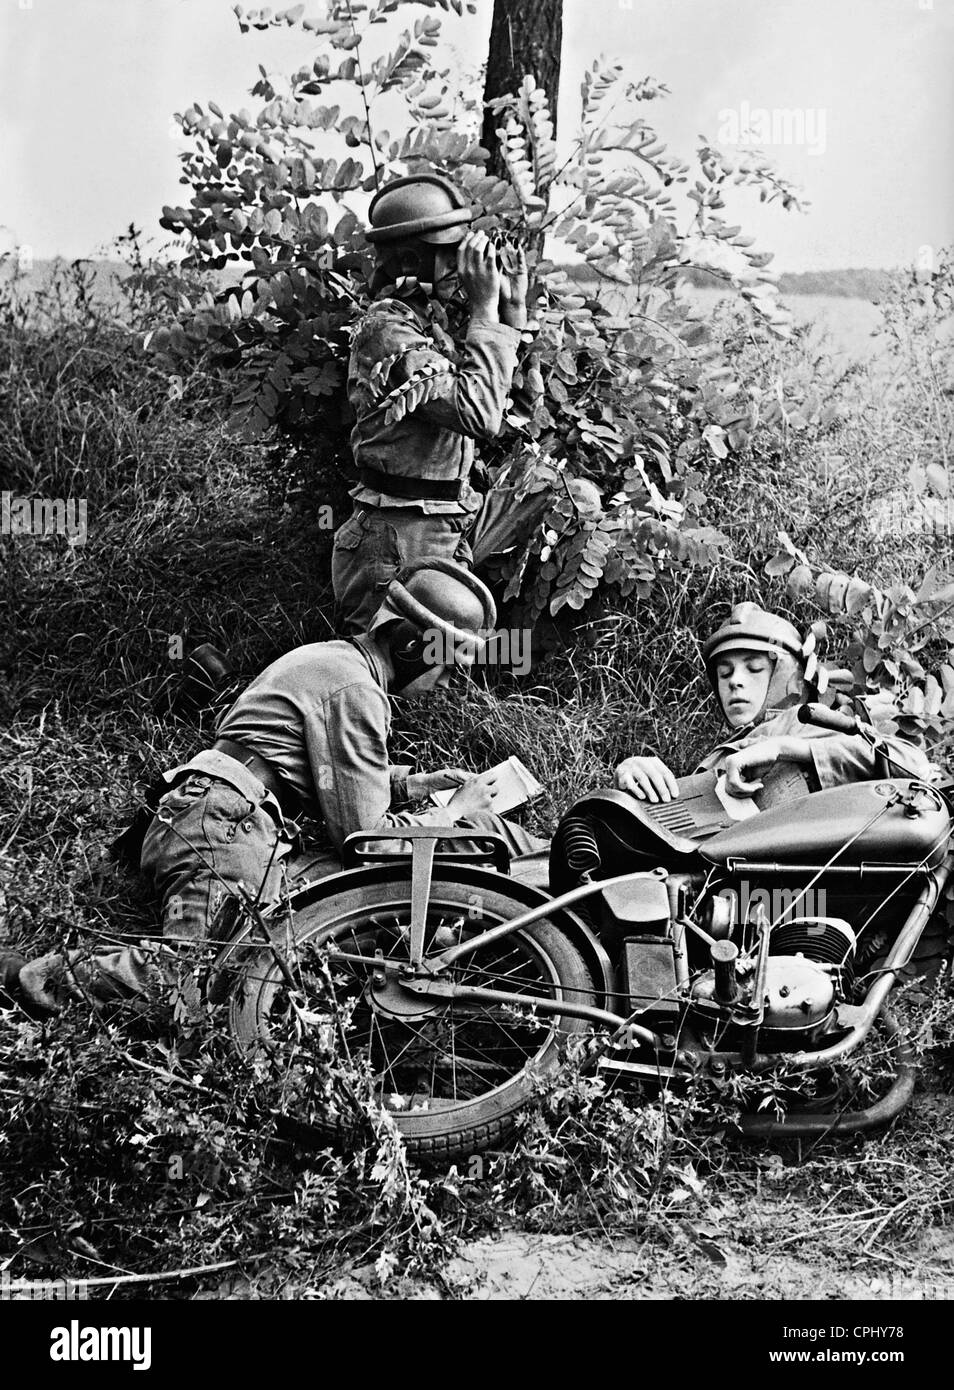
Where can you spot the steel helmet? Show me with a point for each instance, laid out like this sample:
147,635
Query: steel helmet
440,596
425,207
750,628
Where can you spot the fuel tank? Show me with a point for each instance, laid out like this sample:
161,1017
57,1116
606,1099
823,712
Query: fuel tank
896,822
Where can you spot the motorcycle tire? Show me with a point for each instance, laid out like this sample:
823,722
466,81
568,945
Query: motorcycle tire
454,1080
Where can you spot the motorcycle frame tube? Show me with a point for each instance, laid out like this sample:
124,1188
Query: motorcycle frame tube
805,1125
435,964
475,995
527,919
859,871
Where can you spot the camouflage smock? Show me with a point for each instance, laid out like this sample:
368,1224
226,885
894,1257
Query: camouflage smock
459,395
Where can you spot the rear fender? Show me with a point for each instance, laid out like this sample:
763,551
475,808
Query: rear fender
470,877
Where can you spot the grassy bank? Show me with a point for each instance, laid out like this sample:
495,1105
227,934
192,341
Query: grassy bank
194,536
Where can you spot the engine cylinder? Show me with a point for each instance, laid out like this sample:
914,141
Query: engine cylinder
825,940
828,940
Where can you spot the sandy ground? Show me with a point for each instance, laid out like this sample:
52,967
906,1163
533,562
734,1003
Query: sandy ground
778,1240
522,1266
519,1265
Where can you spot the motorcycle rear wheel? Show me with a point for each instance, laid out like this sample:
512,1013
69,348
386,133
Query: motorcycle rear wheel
454,1076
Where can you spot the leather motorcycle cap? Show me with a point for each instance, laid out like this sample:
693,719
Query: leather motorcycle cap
423,207
440,597
750,628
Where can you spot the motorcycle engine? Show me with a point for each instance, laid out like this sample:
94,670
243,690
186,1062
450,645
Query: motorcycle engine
807,973
809,969
799,1001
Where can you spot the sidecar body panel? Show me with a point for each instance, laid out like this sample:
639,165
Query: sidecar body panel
815,828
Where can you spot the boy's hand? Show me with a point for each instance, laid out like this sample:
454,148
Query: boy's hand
758,757
513,291
480,275
649,779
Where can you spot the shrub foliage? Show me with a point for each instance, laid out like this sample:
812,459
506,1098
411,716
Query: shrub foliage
624,392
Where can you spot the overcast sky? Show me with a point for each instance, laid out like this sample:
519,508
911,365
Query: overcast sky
87,88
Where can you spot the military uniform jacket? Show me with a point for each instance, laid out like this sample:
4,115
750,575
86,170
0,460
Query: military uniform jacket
320,714
836,758
420,401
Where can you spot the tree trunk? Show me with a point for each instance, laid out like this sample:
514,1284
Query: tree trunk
525,37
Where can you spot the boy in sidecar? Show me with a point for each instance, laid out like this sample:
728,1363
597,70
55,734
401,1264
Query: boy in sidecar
761,670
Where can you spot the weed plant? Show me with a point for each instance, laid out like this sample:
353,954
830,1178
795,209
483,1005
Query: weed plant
125,1147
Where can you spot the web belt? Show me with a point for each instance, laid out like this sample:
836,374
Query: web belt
266,772
411,489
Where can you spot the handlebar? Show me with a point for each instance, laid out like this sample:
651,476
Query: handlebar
827,718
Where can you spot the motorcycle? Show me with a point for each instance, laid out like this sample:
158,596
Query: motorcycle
698,936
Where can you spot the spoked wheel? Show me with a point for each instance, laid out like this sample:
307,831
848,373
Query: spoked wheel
453,1073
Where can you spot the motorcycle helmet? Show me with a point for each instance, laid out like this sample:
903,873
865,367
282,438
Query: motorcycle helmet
750,628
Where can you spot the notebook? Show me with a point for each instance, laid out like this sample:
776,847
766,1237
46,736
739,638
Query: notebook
516,785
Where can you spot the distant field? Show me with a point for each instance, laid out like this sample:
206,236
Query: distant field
849,325
842,322
839,323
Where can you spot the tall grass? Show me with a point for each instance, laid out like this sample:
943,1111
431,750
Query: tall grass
193,535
